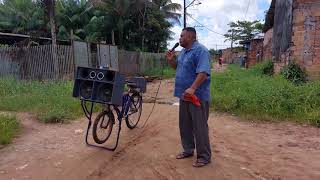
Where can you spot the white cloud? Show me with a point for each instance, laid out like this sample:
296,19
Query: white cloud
216,15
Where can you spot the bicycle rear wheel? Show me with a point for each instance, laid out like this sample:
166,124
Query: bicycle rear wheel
135,110
102,126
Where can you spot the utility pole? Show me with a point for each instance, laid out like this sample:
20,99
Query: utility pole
185,11
184,14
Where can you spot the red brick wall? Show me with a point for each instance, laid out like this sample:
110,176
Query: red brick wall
227,55
255,46
230,57
306,36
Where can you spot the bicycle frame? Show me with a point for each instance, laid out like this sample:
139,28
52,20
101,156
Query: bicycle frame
120,114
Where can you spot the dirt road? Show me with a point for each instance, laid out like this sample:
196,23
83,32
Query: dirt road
241,150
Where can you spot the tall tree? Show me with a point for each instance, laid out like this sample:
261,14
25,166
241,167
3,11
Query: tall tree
73,16
242,30
22,16
169,9
130,24
49,6
118,10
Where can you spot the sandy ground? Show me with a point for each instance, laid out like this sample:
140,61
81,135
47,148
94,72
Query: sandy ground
241,149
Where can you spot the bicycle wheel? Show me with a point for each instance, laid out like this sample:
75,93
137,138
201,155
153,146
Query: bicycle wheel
135,110
102,126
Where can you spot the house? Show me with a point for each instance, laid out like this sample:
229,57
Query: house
292,34
231,56
254,49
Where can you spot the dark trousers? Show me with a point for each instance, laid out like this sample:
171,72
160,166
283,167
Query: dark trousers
194,132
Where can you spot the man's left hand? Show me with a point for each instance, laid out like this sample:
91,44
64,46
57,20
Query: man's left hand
190,91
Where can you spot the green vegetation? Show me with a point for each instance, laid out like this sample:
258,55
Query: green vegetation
50,101
249,93
294,73
242,31
8,128
168,72
131,24
264,68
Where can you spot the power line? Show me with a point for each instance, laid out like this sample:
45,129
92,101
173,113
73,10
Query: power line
245,17
205,26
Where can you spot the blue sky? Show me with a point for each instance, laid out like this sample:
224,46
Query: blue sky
215,15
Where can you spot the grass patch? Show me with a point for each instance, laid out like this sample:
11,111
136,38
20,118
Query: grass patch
168,72
8,128
249,93
50,101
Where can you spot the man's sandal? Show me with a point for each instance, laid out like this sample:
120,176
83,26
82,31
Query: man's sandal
184,155
200,163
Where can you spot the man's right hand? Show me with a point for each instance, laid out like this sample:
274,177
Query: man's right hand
170,56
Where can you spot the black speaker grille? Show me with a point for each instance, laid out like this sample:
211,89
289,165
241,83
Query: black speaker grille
86,89
104,92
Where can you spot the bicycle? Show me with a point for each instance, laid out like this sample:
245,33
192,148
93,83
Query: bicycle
132,105
130,110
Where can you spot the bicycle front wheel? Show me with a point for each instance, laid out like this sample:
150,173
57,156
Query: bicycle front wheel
135,110
102,126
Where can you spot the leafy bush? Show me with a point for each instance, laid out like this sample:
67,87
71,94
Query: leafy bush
265,68
294,73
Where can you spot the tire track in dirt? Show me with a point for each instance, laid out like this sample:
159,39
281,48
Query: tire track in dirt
120,155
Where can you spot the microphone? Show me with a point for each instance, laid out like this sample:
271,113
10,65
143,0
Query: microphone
174,47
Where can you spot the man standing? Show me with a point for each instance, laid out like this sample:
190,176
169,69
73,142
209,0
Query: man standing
193,78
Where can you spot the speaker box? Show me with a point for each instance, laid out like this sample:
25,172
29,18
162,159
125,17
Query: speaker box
99,85
140,82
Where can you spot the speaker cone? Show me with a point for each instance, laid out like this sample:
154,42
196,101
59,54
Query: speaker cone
86,89
104,92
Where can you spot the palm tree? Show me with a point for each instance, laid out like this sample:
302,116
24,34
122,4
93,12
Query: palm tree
22,16
73,16
169,9
49,6
118,10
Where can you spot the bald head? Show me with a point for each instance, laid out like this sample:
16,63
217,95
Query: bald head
187,37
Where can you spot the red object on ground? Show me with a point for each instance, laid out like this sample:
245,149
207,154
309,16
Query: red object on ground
191,98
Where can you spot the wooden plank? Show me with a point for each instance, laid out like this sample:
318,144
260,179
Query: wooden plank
114,59
46,61
69,61
72,64
39,63
63,61
28,54
59,70
66,62
34,59
49,63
